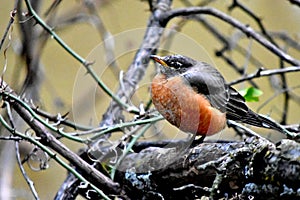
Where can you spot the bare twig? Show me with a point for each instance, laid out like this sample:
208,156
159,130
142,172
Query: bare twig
286,95
53,34
35,116
10,138
60,119
10,23
262,72
31,54
29,182
117,127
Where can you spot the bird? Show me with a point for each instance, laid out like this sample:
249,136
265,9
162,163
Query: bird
194,96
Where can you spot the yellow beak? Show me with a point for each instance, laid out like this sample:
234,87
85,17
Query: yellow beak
159,60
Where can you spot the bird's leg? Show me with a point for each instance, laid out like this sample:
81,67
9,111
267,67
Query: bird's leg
191,142
196,142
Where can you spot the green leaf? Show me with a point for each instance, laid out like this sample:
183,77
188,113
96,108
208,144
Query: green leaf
251,94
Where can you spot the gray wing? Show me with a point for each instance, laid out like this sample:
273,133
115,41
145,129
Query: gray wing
236,107
206,80
238,110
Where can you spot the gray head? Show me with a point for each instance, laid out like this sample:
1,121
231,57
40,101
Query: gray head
174,64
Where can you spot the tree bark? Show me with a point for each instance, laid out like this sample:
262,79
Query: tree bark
236,170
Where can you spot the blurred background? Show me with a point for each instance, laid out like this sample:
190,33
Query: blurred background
66,88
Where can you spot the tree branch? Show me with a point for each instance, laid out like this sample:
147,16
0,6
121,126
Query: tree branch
261,73
139,64
215,170
296,2
232,21
48,139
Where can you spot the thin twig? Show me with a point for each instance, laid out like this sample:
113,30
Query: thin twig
57,119
261,73
10,23
35,116
286,95
10,138
29,182
117,127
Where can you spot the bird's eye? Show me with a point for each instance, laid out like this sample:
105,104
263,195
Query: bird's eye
176,64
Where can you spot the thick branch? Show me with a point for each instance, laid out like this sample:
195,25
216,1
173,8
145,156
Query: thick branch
213,169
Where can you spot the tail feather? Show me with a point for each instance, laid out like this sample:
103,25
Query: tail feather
266,122
237,110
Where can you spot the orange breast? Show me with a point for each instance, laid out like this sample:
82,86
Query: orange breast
184,108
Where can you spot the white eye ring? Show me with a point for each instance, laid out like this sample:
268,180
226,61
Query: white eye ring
176,64
179,63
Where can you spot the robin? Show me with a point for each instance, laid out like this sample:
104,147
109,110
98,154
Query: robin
194,97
